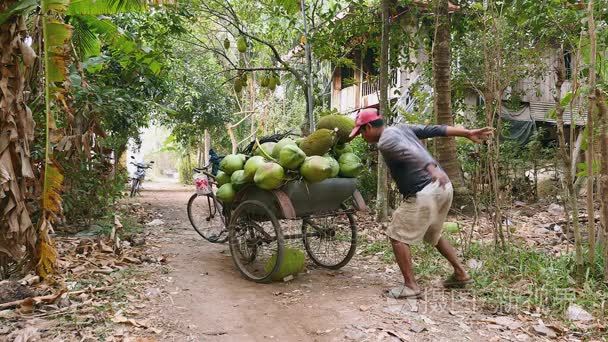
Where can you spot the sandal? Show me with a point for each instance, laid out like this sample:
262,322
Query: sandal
401,292
453,282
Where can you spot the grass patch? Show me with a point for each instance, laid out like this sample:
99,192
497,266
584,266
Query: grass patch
521,278
513,280
130,226
382,249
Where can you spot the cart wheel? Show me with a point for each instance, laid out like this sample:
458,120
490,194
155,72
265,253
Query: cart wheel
330,241
256,241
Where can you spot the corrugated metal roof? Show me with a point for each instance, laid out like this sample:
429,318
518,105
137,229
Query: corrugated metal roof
540,112
544,112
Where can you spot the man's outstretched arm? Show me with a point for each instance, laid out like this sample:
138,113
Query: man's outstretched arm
475,135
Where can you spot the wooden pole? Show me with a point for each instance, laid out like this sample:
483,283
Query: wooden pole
207,147
590,152
232,138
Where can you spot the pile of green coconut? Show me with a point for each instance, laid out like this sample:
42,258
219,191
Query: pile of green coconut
323,154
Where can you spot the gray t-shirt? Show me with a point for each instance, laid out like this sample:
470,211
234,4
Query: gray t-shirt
406,157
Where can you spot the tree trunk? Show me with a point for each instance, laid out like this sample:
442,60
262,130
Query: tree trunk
310,103
603,179
16,135
442,102
590,153
560,71
492,97
382,189
207,144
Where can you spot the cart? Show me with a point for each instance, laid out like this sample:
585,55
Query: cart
323,211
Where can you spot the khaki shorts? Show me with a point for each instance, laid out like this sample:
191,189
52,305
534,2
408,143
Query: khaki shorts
421,217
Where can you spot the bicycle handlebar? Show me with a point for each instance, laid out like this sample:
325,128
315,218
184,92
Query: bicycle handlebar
141,165
204,171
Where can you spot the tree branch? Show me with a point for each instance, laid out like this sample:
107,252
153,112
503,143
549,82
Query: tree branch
237,25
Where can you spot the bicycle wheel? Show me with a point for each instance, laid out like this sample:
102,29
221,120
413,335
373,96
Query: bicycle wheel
256,241
330,240
134,186
206,216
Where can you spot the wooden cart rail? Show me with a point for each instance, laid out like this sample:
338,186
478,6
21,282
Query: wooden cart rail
300,199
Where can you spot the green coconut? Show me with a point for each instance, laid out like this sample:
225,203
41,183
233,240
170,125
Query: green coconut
272,83
231,163
335,166
291,157
269,176
264,81
340,149
238,85
225,193
315,169
293,263
282,143
238,180
226,44
241,44
268,147
350,165
243,157
319,142
343,123
222,178
252,165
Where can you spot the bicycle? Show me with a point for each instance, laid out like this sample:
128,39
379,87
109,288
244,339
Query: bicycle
205,212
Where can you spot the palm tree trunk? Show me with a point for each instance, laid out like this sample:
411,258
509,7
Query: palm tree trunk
566,154
310,103
382,188
603,179
446,147
590,152
16,135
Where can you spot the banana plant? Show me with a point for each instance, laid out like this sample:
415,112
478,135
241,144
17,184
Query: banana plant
65,23
56,35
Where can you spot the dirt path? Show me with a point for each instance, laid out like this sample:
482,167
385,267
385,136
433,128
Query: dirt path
200,296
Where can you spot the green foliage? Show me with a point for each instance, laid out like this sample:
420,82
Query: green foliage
90,189
197,99
99,7
16,8
104,225
545,282
185,168
380,248
583,169
367,180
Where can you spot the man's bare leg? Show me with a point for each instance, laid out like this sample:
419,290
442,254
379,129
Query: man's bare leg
404,260
444,247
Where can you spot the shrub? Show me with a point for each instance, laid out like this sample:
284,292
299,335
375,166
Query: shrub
368,179
90,189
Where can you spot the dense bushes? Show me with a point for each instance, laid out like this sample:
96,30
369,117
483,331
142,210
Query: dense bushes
368,178
90,189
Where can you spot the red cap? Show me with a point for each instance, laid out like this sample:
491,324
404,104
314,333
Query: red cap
364,117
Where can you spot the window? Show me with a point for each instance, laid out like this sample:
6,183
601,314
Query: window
479,101
370,67
568,64
347,76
